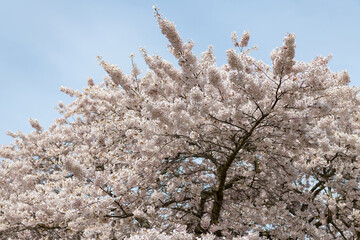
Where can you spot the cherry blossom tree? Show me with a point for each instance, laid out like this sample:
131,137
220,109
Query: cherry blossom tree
199,151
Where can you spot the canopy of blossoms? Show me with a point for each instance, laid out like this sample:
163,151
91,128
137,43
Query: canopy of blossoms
194,151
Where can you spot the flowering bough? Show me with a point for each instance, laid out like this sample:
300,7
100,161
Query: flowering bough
240,151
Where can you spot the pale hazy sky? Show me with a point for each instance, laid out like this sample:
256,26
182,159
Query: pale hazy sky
48,43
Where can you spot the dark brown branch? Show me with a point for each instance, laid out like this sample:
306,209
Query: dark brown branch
222,173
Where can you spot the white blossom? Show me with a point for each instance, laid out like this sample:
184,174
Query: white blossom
35,124
244,39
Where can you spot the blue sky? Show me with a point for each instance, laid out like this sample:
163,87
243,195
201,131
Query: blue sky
46,44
